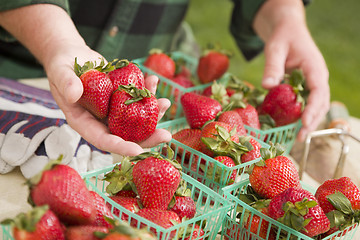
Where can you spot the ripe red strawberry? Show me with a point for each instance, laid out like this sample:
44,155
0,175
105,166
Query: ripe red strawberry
184,207
190,137
156,179
234,120
133,113
299,209
38,223
97,87
249,116
126,73
130,203
229,162
84,232
285,103
275,174
340,200
182,81
160,63
254,153
199,109
101,210
196,233
62,188
163,218
212,65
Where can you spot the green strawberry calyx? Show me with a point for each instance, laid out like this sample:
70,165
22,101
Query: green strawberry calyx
294,214
222,145
344,215
120,178
272,152
102,67
137,94
27,221
297,80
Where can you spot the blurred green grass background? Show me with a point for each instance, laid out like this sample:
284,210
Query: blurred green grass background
335,27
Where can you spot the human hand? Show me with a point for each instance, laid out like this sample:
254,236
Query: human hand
289,45
67,88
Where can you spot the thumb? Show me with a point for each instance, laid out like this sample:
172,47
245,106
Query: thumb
275,57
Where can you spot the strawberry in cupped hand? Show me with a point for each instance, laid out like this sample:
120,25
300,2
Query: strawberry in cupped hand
38,223
199,109
274,173
62,188
97,87
156,179
161,63
299,209
133,113
126,73
285,102
212,65
340,200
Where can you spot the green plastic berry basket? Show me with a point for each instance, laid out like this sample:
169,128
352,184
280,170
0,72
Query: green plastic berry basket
198,165
169,89
234,226
285,135
210,208
6,232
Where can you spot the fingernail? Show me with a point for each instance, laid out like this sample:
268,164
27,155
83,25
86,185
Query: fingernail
269,81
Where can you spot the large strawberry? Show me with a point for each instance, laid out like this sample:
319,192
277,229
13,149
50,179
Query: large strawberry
249,116
84,232
133,113
190,137
161,63
274,174
126,73
97,87
340,200
156,180
62,188
299,209
212,65
38,223
234,120
102,210
199,109
285,102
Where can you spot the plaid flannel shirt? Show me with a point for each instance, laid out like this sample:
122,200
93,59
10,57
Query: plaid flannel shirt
123,29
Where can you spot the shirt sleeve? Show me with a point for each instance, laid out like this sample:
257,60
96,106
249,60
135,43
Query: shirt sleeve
241,29
13,4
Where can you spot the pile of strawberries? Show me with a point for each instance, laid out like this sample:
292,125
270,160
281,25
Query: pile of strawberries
151,186
64,208
275,190
115,93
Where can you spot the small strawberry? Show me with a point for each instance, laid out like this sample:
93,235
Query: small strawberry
229,162
163,218
212,65
184,207
84,232
285,102
130,203
299,209
249,115
133,113
38,223
156,179
126,73
274,174
340,200
62,188
102,210
160,63
199,109
97,87
234,120
253,153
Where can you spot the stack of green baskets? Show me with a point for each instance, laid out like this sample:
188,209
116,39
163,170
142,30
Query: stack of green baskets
234,226
211,173
167,87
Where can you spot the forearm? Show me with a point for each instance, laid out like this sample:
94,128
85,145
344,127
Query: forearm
274,13
44,29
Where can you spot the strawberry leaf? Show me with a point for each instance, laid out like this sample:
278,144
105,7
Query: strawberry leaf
340,202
